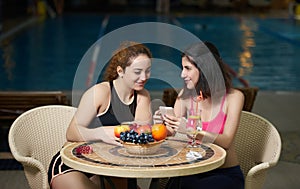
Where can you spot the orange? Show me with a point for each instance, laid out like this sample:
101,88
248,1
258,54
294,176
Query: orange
159,132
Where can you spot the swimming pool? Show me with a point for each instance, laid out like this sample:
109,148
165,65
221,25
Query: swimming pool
45,55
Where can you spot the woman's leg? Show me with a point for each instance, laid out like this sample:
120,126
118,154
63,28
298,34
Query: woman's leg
73,180
211,182
216,179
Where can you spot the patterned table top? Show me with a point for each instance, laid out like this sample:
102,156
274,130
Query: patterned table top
169,160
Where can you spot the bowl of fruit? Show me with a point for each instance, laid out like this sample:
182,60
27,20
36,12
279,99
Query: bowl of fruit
141,139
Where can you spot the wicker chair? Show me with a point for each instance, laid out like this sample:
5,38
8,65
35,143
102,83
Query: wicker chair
170,95
35,136
258,145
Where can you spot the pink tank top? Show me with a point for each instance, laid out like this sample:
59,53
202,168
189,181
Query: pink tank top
217,124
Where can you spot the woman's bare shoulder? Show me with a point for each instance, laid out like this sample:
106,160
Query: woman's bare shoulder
235,93
236,97
102,87
98,91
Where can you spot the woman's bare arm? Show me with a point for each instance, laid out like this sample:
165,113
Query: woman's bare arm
143,110
94,99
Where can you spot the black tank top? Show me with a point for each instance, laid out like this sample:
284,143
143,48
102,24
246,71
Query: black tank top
118,112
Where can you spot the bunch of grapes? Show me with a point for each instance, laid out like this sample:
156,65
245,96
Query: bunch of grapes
133,137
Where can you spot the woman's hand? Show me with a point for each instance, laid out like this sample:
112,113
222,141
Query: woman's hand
105,134
157,117
199,136
172,123
108,136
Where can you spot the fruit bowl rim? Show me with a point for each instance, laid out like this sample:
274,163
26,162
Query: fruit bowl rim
141,145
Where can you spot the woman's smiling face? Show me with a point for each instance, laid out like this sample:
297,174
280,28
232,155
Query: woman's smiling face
190,73
137,74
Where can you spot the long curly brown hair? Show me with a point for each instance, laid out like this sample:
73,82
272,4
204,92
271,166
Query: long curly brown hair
124,57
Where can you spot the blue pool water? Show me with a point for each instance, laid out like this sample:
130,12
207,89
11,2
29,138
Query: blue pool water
45,55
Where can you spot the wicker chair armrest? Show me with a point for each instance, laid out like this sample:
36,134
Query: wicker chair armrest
24,158
32,167
31,162
258,169
256,176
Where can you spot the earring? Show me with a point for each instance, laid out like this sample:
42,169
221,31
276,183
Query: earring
200,97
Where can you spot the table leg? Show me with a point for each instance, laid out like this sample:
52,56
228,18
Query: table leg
109,181
132,183
102,183
174,183
154,183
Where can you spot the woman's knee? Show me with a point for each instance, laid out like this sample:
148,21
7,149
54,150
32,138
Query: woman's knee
72,180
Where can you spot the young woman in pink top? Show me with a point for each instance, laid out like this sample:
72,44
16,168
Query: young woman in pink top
209,92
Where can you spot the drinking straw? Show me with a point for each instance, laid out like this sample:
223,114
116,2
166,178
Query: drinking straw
192,107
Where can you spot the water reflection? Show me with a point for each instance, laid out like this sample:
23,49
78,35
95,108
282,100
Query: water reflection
245,57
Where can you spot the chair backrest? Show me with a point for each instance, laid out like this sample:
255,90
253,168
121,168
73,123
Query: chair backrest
258,145
250,95
170,95
35,136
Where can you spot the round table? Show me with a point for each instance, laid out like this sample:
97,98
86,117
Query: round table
169,161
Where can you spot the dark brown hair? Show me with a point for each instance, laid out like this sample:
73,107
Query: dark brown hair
123,57
193,54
